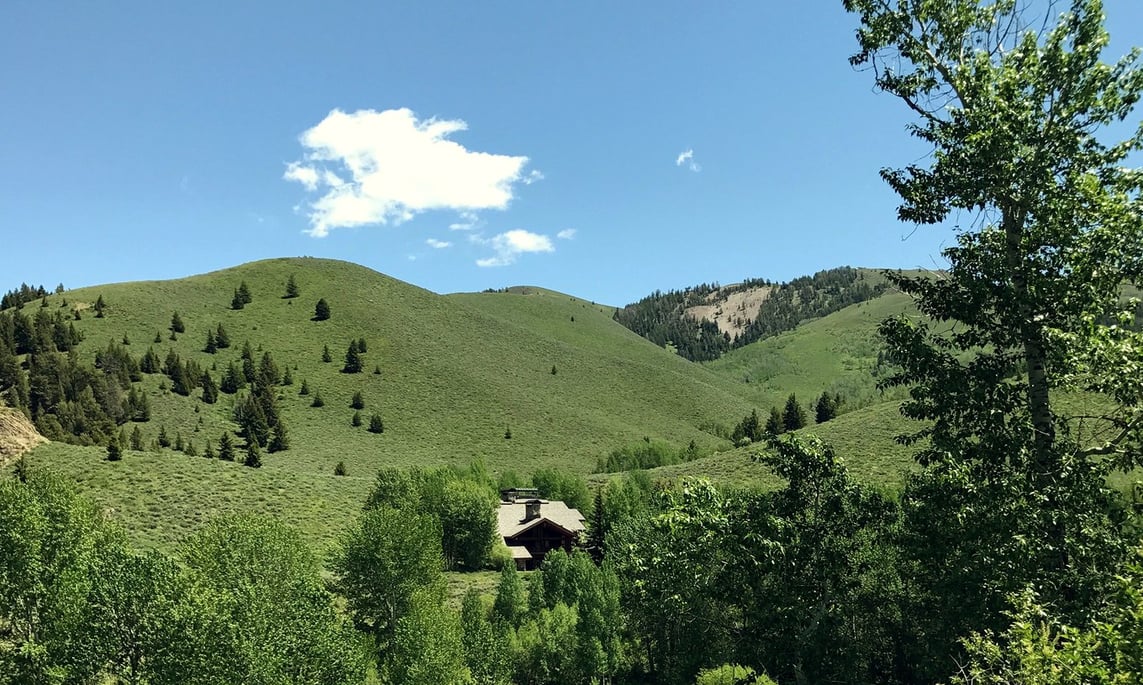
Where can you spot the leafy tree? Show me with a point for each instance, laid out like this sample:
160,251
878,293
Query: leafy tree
381,562
1013,105
793,415
177,325
487,648
427,647
358,402
393,488
291,288
277,621
467,513
565,486
375,424
321,310
511,603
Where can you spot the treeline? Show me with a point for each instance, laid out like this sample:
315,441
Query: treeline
662,319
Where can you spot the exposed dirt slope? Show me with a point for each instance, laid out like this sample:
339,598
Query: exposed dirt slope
17,435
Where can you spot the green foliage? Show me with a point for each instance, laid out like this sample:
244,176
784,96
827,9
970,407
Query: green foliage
775,425
241,297
177,325
487,646
558,484
355,421
427,646
826,407
353,363
340,470
319,402
793,415
325,355
375,424
253,455
511,603
114,449
291,288
731,674
321,310
381,562
226,448
467,513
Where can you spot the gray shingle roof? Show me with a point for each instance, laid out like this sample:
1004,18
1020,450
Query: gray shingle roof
511,517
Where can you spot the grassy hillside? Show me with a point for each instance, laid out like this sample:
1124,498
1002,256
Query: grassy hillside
835,353
456,373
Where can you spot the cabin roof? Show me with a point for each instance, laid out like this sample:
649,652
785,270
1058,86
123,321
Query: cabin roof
511,518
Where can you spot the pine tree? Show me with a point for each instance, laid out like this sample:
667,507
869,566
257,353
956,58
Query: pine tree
318,401
164,439
321,310
352,359
375,424
242,296
361,346
150,362
114,449
340,470
177,325
280,439
553,369
356,420
253,455
211,346
305,389
774,424
825,409
179,445
225,448
191,450
358,402
793,416
268,374
291,288
377,370
232,379
288,377
158,337
209,389
325,355
99,306
208,451
137,439
221,338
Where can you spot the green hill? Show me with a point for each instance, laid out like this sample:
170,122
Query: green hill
457,373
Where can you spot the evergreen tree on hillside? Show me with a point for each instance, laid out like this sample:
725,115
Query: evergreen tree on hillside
375,424
177,325
211,346
325,355
793,416
774,424
137,439
288,377
317,401
99,307
356,420
825,409
358,401
221,338
321,310
253,456
291,288
164,439
279,438
352,360
209,389
150,362
225,448
232,379
305,389
361,346
268,374
114,449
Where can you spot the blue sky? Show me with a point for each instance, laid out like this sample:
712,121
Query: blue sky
601,149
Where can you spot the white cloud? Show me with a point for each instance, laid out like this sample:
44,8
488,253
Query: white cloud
512,244
687,157
389,166
438,244
566,234
468,221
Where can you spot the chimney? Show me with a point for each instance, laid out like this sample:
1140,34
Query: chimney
531,509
